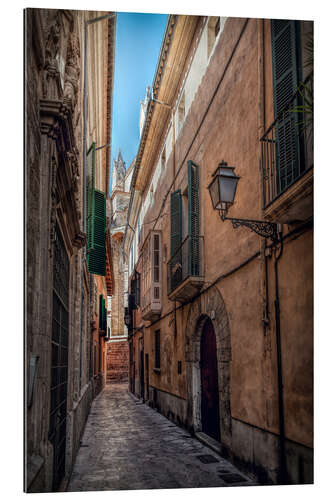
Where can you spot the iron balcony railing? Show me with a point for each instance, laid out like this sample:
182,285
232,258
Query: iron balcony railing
287,146
187,261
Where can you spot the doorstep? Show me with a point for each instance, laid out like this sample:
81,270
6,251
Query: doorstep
209,441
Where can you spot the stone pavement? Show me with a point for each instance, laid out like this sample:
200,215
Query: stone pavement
129,446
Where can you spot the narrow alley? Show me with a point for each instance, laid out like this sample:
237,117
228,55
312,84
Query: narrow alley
168,251
128,445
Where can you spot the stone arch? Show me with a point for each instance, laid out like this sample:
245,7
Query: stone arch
208,305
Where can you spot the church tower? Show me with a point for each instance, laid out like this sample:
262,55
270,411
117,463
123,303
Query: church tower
119,173
143,110
117,351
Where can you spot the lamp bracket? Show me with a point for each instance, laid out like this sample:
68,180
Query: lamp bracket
262,228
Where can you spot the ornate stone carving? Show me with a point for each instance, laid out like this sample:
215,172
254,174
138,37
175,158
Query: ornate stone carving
51,77
72,71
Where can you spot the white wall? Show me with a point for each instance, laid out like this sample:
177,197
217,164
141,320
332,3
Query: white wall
197,70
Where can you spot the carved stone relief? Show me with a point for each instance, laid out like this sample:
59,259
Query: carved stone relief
51,77
72,71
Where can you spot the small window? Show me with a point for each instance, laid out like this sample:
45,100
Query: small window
151,199
163,159
156,257
157,349
181,110
179,367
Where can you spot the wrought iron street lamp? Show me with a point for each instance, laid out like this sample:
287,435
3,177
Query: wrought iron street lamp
222,191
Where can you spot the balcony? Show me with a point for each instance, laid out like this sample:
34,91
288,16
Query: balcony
186,270
287,161
151,304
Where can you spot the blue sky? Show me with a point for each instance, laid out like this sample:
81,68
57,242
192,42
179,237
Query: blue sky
138,43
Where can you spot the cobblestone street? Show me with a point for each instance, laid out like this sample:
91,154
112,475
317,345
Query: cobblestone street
128,445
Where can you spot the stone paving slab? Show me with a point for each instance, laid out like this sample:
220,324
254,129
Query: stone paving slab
130,446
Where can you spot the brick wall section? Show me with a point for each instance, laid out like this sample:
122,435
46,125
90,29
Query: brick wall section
117,361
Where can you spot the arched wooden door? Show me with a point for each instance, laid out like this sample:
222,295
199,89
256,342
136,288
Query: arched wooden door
210,413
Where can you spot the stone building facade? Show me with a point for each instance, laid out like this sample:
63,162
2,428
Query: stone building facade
221,319
61,373
117,355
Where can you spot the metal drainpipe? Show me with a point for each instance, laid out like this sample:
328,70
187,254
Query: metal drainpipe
283,468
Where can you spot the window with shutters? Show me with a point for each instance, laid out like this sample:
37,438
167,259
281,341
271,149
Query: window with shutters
102,314
186,262
97,252
151,283
136,288
285,145
285,82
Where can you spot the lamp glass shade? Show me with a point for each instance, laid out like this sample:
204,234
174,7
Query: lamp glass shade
223,187
214,193
227,188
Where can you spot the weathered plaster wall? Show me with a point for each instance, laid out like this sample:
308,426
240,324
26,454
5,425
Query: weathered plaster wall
223,123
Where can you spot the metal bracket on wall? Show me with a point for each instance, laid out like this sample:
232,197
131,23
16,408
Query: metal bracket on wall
262,228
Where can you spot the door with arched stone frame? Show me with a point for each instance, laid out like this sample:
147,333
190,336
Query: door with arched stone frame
209,306
210,413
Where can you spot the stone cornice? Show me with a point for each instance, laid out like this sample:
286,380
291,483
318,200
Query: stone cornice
53,114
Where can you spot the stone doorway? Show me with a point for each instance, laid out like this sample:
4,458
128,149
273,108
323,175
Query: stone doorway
208,307
210,412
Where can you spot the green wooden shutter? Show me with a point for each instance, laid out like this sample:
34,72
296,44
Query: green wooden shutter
176,221
176,238
193,219
90,198
96,256
285,81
